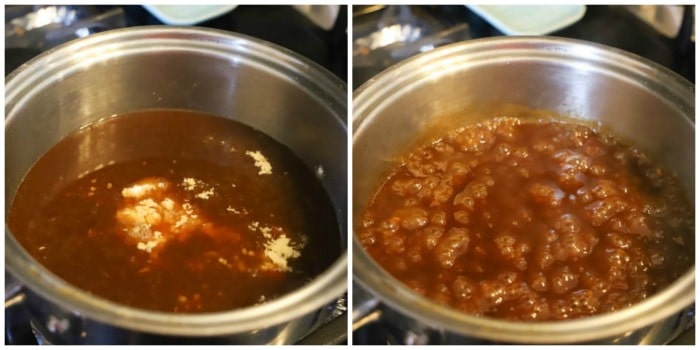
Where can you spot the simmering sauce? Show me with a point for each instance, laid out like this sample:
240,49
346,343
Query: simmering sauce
530,220
185,212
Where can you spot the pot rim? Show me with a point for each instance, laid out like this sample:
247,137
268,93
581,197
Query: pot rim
152,38
403,74
320,291
378,92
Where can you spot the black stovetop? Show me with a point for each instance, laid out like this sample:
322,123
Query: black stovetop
609,25
282,25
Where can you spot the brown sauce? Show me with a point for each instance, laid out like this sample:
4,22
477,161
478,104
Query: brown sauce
194,213
530,220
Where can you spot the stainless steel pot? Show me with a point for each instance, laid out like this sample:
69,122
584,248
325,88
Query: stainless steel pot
265,86
639,101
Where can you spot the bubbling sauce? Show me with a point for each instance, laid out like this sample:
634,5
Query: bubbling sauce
184,213
530,220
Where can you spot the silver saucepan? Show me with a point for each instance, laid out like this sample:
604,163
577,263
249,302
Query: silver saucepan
639,101
272,89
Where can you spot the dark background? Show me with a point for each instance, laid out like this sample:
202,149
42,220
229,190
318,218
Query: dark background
604,24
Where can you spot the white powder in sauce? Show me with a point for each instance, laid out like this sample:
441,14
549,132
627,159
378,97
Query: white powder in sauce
277,249
189,183
141,214
233,210
138,190
148,246
205,194
280,250
264,166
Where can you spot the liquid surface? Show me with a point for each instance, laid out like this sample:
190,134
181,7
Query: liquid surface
177,212
530,221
